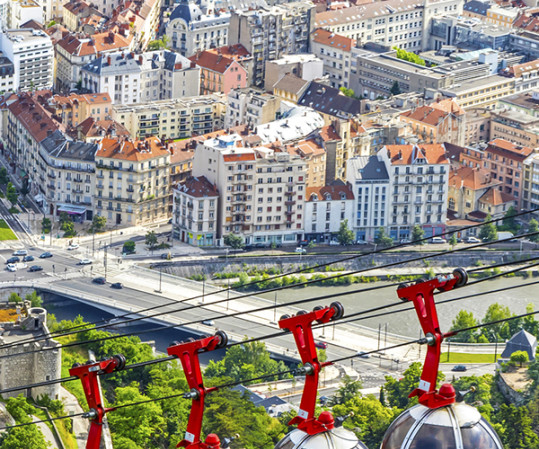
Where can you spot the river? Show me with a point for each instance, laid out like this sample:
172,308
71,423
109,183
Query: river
406,323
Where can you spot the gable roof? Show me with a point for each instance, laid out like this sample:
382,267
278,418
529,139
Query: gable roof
472,178
306,148
34,117
448,105
329,100
521,341
333,192
291,83
407,154
494,197
213,61
95,128
507,148
198,187
425,114
518,70
94,45
236,52
131,150
326,37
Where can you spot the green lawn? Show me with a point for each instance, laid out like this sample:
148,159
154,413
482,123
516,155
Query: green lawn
5,232
463,357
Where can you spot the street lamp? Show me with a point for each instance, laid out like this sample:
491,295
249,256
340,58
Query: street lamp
160,279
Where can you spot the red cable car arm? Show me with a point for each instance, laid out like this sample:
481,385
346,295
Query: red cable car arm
188,352
422,295
301,326
90,383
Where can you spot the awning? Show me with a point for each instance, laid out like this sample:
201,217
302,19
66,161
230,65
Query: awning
39,197
71,209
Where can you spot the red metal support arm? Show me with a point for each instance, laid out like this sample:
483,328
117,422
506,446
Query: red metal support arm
188,352
88,374
422,295
301,327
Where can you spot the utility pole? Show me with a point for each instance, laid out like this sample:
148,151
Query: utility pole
160,278
379,334
93,242
275,309
105,262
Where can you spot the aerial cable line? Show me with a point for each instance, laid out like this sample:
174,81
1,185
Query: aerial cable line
301,370
270,290
301,270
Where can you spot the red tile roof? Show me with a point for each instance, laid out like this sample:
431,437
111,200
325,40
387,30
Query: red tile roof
495,197
334,192
238,157
179,157
503,146
213,61
34,117
129,150
93,46
236,52
307,148
95,128
406,154
471,178
425,114
517,70
198,187
329,133
448,105
333,40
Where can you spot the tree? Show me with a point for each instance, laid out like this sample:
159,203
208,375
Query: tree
509,222
520,357
488,232
462,320
24,438
382,238
64,216
517,424
533,226
417,234
234,241
496,312
69,229
395,88
151,239
349,390
11,194
14,297
98,224
348,92
34,298
129,247
4,178
158,44
25,189
453,240
345,236
46,225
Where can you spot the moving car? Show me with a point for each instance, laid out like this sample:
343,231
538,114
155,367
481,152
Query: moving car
364,355
84,262
13,260
117,285
459,368
99,280
35,268
11,267
438,240
28,258
321,344
45,255
473,240
73,246
208,323
20,252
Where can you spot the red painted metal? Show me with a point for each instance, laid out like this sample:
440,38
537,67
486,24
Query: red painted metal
88,374
422,295
301,327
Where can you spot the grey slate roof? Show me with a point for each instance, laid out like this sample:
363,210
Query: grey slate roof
59,147
521,341
329,100
368,168
186,10
477,7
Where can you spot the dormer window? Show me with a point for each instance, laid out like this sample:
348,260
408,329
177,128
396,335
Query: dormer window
314,197
328,197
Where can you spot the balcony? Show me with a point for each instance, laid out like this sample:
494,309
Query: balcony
78,180
289,202
51,187
51,175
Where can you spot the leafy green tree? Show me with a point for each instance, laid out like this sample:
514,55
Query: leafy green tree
14,297
481,396
533,226
382,238
151,239
348,92
496,312
158,44
98,224
453,240
69,229
517,427
509,222
34,298
4,178
349,390
463,320
234,241
129,247
488,232
395,89
520,357
46,225
11,194
345,236
529,323
22,437
417,234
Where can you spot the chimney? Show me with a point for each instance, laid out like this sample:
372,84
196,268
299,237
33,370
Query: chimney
111,36
140,58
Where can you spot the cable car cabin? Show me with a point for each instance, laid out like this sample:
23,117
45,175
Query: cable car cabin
332,438
455,426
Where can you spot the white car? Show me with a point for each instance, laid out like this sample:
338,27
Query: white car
20,252
301,250
473,240
11,267
438,240
84,262
73,246
334,243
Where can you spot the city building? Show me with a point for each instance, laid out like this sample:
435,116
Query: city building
32,55
530,191
326,207
477,128
336,53
7,75
22,11
181,164
146,77
268,33
369,180
314,156
172,119
304,66
195,212
419,183
514,126
330,102
290,87
480,92
503,17
93,130
525,103
526,75
251,106
72,109
132,181
219,73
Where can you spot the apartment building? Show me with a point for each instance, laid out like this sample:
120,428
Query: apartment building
304,67
516,127
268,33
251,106
326,207
32,55
314,156
132,181
336,53
195,212
173,119
477,128
290,87
72,109
146,77
525,103
21,11
418,178
74,52
7,75
503,17
219,73
526,75
480,92
530,191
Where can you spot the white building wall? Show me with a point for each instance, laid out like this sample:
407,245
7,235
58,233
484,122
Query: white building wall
324,217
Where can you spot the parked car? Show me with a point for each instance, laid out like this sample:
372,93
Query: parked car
73,246
14,259
364,355
473,240
11,267
45,255
300,250
208,323
405,241
166,256
20,252
459,368
361,242
99,280
117,285
321,344
84,262
28,258
438,240
35,268
334,243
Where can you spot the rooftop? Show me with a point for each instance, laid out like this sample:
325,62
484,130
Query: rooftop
212,61
58,146
334,192
93,45
411,154
336,41
367,168
131,150
523,100
291,83
198,187
329,100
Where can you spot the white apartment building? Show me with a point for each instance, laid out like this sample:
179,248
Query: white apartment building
369,180
173,119
336,53
194,214
325,209
419,176
32,55
151,76
250,106
4,12
7,75
21,11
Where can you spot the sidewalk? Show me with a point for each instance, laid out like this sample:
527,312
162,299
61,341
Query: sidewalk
80,425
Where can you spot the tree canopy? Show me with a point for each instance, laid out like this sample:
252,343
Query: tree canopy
488,232
345,236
